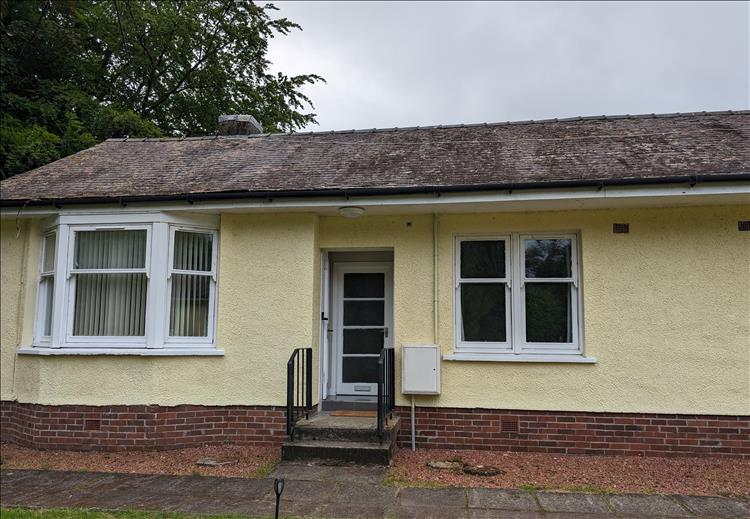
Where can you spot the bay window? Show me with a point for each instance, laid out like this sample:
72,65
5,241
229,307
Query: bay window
517,294
137,282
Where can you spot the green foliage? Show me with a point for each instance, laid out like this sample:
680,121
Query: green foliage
73,73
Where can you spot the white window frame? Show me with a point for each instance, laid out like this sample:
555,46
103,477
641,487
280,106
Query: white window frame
40,337
182,340
517,348
160,227
525,346
485,346
83,341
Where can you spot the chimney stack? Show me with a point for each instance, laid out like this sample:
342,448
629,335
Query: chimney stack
239,125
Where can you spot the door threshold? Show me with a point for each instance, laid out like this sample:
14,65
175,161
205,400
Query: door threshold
350,402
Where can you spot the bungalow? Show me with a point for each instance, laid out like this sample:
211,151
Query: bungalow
568,286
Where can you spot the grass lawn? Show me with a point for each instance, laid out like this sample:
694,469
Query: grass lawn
66,513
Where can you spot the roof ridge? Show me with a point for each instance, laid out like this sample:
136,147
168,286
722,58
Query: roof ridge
440,126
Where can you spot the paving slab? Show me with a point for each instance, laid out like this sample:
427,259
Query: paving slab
428,512
572,502
364,497
434,497
349,511
309,491
317,472
252,489
364,494
638,505
716,506
502,499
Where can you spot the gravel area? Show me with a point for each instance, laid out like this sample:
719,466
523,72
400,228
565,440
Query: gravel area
617,474
253,461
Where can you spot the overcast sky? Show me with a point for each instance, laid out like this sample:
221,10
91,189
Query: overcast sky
421,63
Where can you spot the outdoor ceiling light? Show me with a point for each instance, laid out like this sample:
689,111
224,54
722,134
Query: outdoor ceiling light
351,211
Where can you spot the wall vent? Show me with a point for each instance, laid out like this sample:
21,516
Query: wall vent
620,228
509,425
743,225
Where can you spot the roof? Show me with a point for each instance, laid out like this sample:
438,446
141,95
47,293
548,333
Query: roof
580,151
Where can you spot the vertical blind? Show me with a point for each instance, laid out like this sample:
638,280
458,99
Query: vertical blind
111,302
192,276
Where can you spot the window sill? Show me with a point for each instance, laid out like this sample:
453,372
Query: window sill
523,357
138,352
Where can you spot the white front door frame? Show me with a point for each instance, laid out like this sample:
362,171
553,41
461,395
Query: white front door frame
337,306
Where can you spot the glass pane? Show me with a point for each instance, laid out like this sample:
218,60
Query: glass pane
110,249
364,285
483,259
189,309
192,251
483,312
49,252
360,369
364,313
110,305
548,258
548,312
363,341
48,289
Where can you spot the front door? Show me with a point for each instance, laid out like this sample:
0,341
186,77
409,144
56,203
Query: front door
362,317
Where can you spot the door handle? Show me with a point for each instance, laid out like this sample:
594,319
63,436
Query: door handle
385,332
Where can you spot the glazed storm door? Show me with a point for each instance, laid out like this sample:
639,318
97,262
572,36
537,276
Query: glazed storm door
363,312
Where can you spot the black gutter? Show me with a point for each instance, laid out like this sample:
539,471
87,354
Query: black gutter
352,192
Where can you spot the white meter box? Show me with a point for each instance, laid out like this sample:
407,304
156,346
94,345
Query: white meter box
420,369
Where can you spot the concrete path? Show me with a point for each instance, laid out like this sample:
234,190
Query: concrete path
325,491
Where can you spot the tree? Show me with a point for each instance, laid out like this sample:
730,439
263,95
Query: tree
74,73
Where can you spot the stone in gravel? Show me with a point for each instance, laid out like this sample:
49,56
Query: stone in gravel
716,506
573,503
482,470
647,506
211,462
445,465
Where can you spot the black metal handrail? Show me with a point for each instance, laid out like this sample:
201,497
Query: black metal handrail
298,387
386,388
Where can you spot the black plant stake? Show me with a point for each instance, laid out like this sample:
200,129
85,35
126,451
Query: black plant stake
278,487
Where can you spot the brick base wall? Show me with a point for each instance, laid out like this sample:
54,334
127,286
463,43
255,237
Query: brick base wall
153,427
139,427
577,433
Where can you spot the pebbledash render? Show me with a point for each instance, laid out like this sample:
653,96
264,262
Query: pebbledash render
587,282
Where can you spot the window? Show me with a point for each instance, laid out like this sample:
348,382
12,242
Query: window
517,294
192,280
140,282
46,288
109,286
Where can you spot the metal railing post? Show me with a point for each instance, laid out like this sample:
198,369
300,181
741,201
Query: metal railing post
308,381
290,395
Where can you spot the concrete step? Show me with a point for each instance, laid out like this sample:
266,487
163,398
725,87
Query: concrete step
360,453
344,428
352,404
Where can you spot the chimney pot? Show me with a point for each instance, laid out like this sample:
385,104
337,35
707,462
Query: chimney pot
239,125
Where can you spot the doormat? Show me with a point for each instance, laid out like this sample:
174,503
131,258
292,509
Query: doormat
347,412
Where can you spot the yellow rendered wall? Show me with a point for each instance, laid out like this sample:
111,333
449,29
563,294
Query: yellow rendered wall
666,309
268,270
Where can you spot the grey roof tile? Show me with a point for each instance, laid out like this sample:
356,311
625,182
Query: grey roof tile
638,148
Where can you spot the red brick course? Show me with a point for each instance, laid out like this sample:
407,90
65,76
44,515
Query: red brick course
139,427
153,427
577,433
